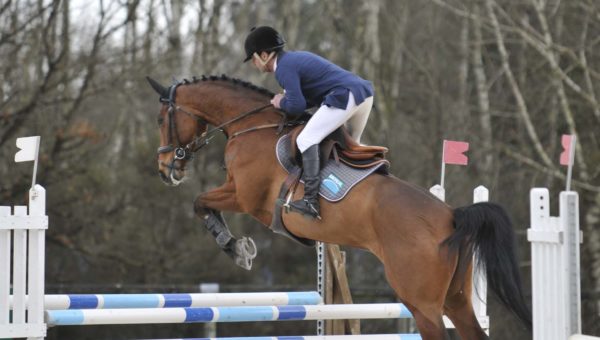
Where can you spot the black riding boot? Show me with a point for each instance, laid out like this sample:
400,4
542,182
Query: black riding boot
309,205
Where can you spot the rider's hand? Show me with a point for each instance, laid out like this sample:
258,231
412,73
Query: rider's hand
277,100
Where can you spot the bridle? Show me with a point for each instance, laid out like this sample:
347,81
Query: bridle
187,151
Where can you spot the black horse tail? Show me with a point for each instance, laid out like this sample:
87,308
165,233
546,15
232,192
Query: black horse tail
484,229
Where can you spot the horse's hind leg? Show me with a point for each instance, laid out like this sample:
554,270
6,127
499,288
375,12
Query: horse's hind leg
459,308
420,274
429,322
460,311
423,297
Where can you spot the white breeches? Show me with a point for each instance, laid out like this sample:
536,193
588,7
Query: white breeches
327,119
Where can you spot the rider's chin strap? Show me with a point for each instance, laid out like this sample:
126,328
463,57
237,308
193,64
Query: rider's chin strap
264,63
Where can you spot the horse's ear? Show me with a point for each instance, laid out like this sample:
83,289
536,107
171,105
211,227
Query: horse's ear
161,90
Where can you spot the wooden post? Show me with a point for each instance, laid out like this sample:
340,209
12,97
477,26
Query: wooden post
337,291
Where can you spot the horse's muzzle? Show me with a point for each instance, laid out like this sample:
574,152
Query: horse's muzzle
174,179
164,178
171,172
171,175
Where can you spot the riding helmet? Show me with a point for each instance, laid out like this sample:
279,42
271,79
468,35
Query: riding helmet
263,38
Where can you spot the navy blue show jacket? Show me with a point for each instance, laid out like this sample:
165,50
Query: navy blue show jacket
310,80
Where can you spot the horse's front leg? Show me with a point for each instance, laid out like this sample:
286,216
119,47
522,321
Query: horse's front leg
208,207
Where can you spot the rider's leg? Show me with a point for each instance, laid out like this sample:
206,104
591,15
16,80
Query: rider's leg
309,205
358,120
320,125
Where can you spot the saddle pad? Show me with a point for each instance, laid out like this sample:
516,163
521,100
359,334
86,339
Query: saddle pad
336,178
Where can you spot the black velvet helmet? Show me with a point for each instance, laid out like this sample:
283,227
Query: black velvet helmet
262,39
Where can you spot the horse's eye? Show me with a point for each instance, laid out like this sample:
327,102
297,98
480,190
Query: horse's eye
160,120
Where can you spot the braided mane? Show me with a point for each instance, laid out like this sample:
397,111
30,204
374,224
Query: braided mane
234,81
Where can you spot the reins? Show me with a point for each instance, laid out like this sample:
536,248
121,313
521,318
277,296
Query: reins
186,152
240,117
204,139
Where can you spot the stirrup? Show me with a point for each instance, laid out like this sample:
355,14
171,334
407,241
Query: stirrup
314,213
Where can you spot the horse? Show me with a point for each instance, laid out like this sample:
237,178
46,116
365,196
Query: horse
425,246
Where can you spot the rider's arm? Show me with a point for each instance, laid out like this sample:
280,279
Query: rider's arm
293,102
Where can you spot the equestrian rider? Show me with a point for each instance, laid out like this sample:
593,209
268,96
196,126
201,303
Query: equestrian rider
309,80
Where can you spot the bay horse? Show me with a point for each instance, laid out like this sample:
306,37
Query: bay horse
426,247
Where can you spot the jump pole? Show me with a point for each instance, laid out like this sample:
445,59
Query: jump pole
312,337
225,314
117,301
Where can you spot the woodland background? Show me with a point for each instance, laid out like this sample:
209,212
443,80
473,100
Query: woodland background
509,76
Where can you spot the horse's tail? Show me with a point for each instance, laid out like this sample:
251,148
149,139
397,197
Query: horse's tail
484,229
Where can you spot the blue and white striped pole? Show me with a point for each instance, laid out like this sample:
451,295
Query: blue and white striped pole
116,301
326,337
225,314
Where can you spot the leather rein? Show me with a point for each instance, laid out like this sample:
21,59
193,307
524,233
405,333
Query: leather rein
202,139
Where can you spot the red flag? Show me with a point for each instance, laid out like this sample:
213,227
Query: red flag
565,156
453,152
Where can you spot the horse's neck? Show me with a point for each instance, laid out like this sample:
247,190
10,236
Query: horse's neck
225,105
242,117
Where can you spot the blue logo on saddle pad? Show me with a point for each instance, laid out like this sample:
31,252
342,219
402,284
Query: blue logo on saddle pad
333,183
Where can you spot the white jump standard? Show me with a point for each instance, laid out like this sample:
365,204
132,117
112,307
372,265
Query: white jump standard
556,283
27,229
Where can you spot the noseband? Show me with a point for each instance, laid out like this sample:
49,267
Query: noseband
186,152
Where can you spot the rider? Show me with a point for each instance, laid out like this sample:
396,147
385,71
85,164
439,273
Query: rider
309,80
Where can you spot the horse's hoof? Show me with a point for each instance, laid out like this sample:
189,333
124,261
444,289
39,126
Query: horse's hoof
243,262
245,252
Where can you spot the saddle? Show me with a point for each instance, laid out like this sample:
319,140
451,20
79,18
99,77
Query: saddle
340,146
343,164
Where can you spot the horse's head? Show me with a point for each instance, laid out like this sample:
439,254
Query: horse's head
181,134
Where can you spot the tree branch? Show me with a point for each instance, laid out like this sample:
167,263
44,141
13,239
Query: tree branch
544,169
523,111
564,100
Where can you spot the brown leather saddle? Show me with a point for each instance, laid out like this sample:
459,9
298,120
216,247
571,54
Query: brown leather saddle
338,146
